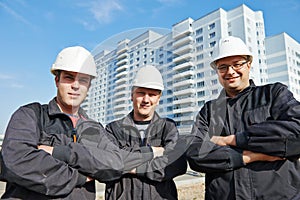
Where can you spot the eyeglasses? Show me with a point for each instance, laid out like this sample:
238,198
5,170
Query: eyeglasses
237,66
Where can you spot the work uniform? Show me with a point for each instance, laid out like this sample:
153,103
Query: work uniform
31,173
153,180
264,119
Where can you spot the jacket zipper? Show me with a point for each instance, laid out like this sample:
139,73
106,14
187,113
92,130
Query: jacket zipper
74,135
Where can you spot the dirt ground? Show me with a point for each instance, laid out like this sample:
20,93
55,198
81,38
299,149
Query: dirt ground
193,191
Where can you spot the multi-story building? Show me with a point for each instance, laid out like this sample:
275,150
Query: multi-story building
183,56
283,61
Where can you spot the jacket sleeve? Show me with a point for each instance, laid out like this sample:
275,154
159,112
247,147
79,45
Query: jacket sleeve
97,156
23,164
205,156
172,163
132,156
279,135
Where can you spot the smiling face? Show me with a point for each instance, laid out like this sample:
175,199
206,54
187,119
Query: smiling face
72,89
234,81
144,103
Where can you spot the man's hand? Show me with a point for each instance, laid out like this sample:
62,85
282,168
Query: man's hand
249,156
224,140
158,151
48,149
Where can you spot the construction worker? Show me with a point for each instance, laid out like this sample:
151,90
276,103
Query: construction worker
31,172
247,141
144,127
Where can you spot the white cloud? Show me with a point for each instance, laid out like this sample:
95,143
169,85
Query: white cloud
9,81
16,85
292,5
16,15
169,2
87,25
102,10
5,77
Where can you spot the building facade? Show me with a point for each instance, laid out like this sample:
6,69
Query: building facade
182,56
283,61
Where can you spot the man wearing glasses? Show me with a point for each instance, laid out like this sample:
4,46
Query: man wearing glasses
247,141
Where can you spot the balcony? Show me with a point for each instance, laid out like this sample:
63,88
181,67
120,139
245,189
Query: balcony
184,110
183,83
182,41
184,101
182,49
122,56
184,74
183,66
121,81
120,113
121,92
121,87
184,118
121,68
184,92
119,75
185,57
122,50
179,34
120,105
122,62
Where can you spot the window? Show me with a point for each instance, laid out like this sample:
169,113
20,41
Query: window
200,84
212,35
199,39
169,100
212,44
201,94
211,26
214,82
201,103
199,48
200,75
200,66
199,31
215,91
199,57
249,30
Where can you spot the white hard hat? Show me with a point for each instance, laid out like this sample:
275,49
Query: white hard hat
229,46
75,59
149,77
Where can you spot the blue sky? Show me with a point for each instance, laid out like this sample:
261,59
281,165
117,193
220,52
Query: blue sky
34,31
